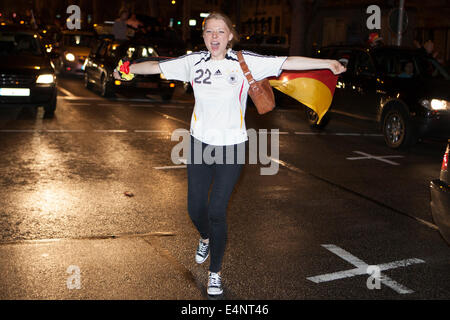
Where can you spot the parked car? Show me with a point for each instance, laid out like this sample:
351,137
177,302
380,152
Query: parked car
404,90
27,77
440,198
99,68
73,49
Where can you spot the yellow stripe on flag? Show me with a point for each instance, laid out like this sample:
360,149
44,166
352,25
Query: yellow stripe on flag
311,92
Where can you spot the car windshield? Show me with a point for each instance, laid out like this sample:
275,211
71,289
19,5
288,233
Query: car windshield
16,43
77,40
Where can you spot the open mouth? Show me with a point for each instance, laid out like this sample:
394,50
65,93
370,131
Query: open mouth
215,45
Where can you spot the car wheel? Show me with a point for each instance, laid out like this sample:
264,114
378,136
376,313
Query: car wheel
87,83
49,110
312,118
106,90
397,129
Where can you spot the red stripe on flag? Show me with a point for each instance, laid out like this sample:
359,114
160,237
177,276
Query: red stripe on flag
323,75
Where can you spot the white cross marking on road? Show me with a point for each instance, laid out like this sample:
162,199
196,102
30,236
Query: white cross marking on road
379,158
361,268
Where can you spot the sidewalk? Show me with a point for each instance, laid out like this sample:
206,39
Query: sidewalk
128,267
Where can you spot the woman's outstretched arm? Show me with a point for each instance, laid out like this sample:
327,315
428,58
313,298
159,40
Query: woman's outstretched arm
146,67
304,63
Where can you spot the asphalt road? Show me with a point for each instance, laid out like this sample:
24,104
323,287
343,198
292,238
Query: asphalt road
308,232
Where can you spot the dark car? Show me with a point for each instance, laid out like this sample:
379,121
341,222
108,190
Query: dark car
73,49
103,59
27,77
404,90
440,198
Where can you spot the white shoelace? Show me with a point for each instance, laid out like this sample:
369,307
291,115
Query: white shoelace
203,248
215,280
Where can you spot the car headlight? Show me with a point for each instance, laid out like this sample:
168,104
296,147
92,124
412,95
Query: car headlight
70,57
45,79
435,104
188,51
162,76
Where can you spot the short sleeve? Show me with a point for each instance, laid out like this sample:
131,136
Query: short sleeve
177,68
262,66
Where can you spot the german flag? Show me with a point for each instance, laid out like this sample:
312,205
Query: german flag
313,88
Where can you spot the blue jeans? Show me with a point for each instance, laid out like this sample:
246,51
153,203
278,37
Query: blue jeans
209,215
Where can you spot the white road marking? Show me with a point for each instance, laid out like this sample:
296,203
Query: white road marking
309,133
171,167
348,134
63,130
151,131
74,98
354,134
113,131
361,268
184,165
67,92
379,158
78,104
351,115
272,132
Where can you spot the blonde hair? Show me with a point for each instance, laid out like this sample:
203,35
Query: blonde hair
229,24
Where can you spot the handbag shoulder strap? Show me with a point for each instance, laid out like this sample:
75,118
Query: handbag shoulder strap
244,68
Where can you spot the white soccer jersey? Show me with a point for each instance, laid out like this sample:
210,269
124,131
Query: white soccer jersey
220,90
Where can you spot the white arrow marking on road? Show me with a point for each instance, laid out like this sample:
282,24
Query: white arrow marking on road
379,158
361,268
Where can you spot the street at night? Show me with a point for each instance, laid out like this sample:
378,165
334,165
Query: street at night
224,159
299,232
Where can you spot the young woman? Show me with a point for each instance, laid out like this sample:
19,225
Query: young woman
217,123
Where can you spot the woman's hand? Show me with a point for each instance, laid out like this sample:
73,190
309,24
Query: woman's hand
116,75
122,72
336,67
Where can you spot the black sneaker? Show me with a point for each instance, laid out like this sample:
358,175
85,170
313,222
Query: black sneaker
214,284
202,252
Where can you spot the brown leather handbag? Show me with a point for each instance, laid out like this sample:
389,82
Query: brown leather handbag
260,91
